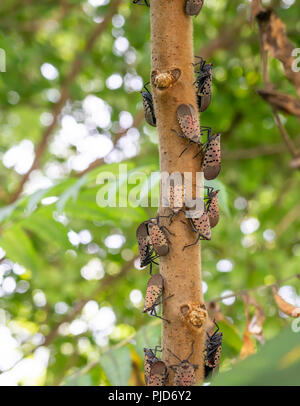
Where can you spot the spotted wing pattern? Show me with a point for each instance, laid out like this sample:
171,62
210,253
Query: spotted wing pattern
202,225
213,349
143,241
188,121
149,359
203,86
184,374
193,7
154,290
158,374
212,158
148,108
176,197
158,239
213,209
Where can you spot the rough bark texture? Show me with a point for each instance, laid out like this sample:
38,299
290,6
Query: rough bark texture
172,48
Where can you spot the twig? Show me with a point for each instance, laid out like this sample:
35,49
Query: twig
242,292
64,95
288,219
286,138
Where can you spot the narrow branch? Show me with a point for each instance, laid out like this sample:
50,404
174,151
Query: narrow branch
242,292
286,138
288,220
64,95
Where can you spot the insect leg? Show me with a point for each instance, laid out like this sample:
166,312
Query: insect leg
153,313
194,243
179,135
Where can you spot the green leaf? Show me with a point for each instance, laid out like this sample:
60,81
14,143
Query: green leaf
147,336
71,192
34,199
277,363
231,336
117,366
84,380
18,247
47,228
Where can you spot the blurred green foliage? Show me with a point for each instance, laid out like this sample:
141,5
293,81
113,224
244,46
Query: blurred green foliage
35,232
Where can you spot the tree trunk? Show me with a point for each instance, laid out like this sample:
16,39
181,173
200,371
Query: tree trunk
172,48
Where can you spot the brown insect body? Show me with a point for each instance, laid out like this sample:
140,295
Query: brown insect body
149,359
193,7
212,157
212,207
203,84
148,106
159,240
175,200
154,292
143,240
188,122
212,353
201,226
184,371
158,374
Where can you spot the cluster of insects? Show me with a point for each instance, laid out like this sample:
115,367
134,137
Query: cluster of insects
156,371
202,216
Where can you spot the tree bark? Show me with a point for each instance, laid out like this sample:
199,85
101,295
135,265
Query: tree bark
172,48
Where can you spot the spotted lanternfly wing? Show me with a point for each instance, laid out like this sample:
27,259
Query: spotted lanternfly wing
212,158
202,225
149,359
158,374
154,291
213,209
212,352
193,7
144,241
188,121
158,238
176,197
148,107
184,374
203,86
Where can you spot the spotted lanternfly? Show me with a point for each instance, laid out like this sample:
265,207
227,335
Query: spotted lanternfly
146,251
201,226
148,106
142,2
158,374
188,122
149,359
184,371
212,157
193,7
203,84
175,198
154,293
212,206
159,240
143,240
212,353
